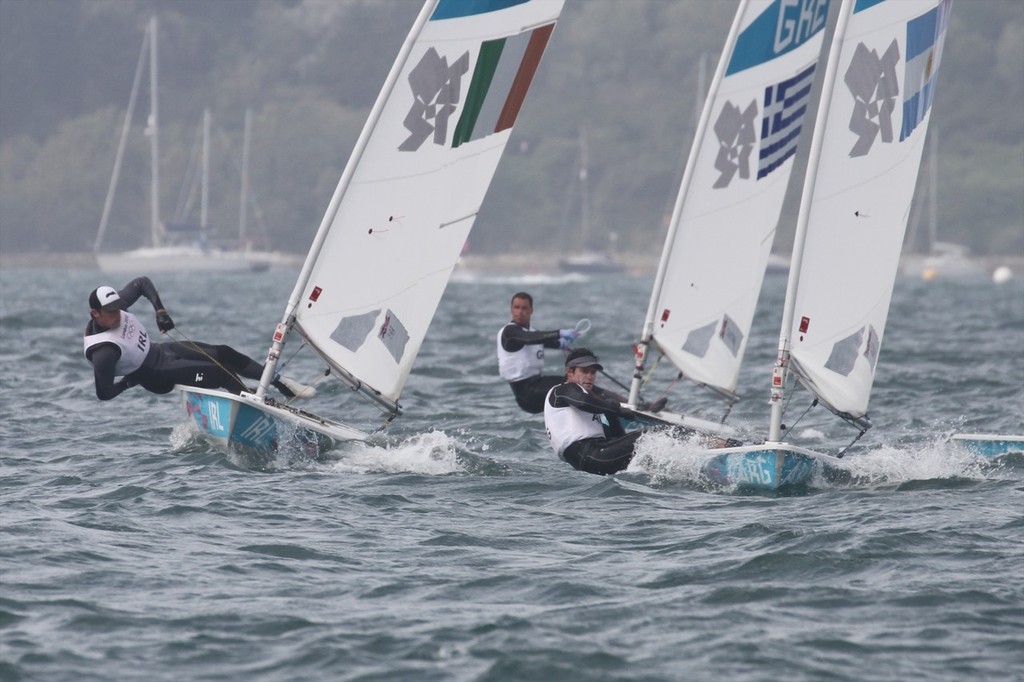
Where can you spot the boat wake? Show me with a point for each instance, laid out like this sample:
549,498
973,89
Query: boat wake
433,454
184,435
936,462
669,461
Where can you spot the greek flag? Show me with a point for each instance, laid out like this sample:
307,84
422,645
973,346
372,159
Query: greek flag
925,36
785,105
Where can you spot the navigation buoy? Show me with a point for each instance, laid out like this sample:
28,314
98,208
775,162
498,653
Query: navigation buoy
928,274
1002,274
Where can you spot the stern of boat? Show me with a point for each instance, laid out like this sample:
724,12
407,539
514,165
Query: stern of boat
244,425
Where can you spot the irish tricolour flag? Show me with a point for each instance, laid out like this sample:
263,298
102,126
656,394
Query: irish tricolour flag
500,80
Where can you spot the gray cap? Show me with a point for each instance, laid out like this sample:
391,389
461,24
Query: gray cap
583,361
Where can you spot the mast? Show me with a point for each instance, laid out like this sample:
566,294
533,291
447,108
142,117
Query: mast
204,187
677,212
122,142
933,188
807,196
244,198
288,319
584,193
152,129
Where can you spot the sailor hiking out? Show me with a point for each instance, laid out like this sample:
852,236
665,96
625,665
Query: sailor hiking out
584,427
117,344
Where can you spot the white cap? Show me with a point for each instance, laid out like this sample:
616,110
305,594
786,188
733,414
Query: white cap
105,298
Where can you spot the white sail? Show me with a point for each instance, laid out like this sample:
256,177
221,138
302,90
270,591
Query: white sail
858,203
862,167
412,189
731,196
397,221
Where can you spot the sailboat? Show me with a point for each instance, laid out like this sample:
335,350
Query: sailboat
863,165
939,258
198,175
720,235
272,259
396,224
168,252
587,260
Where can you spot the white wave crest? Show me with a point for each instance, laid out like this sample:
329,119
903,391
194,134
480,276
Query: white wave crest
936,460
433,453
665,457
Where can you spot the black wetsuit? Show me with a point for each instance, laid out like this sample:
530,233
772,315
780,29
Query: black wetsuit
530,392
166,364
599,455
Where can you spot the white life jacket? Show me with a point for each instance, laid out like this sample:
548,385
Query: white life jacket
526,362
131,337
566,425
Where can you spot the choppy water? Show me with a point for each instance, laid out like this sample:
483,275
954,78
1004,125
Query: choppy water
465,551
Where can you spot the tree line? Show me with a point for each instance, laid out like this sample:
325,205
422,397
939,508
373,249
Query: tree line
626,74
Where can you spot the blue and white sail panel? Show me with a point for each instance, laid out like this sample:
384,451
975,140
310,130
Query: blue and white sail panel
732,193
773,29
785,109
413,194
862,191
925,37
454,9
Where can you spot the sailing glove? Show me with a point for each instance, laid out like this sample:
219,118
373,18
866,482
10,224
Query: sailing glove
164,322
566,337
125,383
656,406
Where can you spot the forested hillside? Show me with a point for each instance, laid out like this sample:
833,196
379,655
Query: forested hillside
624,72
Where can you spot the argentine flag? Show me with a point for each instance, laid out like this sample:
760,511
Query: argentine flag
925,36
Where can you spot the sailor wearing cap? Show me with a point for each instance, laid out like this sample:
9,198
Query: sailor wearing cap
575,420
118,345
120,337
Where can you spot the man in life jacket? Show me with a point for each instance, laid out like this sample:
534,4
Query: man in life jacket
521,355
584,427
118,345
521,359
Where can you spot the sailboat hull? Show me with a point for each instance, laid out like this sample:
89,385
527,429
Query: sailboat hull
590,263
240,424
989,444
771,467
180,259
